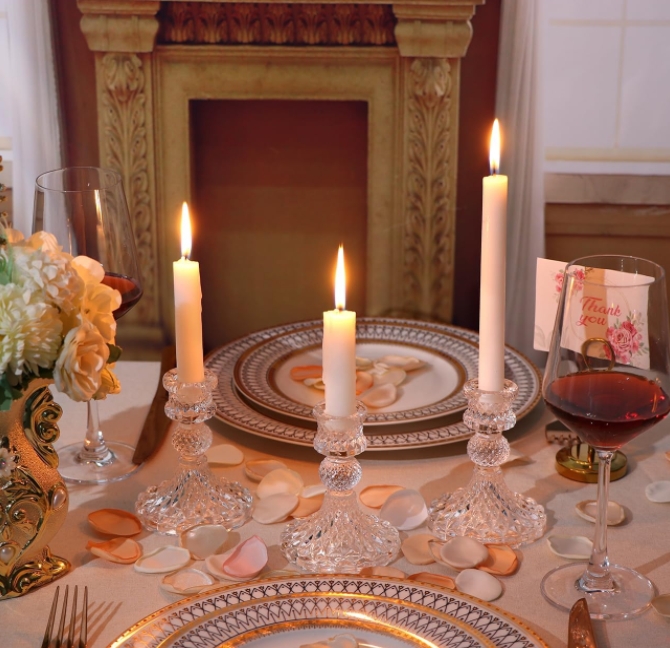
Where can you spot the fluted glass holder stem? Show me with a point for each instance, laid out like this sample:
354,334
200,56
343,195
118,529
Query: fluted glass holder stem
339,537
194,495
486,509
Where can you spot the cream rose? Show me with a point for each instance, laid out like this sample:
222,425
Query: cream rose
78,370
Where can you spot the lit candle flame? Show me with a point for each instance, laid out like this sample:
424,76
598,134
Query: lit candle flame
494,151
185,232
340,281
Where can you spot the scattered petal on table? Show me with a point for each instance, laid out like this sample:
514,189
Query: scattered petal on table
204,540
118,550
382,570
247,560
187,581
376,496
363,363
462,552
115,522
433,579
307,506
573,547
224,455
407,363
384,375
275,508
658,491
313,490
405,510
478,583
416,549
282,481
256,469
502,560
588,509
162,560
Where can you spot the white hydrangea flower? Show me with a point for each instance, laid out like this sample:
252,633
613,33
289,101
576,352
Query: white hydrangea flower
30,334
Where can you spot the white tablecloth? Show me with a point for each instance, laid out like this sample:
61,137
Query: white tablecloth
119,596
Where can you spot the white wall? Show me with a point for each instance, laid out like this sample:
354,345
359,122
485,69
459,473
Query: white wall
607,86
5,106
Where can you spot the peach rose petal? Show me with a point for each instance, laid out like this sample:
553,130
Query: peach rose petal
307,506
380,395
117,550
256,469
306,371
364,381
274,508
163,560
187,581
224,455
313,490
462,552
376,496
434,579
383,570
203,540
416,549
116,522
502,560
282,481
435,548
247,560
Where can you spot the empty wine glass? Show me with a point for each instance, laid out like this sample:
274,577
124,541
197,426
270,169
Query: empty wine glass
86,209
607,379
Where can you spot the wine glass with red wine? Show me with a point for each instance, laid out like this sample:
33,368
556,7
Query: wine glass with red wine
86,209
607,379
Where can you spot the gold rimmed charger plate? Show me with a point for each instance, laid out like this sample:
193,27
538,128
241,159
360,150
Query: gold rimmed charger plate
171,625
234,410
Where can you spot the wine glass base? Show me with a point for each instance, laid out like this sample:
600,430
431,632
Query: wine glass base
632,594
75,468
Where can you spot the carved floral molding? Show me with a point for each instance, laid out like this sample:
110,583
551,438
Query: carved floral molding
276,24
429,210
125,149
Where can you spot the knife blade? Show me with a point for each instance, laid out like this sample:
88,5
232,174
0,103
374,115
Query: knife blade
157,423
580,629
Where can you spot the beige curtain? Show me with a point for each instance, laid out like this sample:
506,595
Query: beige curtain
519,110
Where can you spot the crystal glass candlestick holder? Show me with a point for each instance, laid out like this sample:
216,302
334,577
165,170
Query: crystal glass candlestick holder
339,537
486,509
194,495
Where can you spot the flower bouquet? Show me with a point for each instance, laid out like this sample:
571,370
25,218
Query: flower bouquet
56,320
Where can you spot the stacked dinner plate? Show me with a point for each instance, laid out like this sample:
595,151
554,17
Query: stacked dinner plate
257,394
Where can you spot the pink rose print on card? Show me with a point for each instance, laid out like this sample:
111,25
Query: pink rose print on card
625,339
560,275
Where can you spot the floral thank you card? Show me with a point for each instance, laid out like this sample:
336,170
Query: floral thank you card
597,308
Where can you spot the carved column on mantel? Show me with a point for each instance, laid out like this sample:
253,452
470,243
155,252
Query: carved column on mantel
432,38
122,34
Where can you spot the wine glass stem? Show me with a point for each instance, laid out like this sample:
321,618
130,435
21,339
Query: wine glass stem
597,577
95,449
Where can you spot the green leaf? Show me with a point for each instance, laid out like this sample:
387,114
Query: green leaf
114,353
6,393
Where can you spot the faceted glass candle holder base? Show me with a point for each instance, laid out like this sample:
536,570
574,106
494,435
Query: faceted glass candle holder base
339,538
194,495
487,509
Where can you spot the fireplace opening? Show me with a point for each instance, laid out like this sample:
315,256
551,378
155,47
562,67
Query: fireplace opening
277,185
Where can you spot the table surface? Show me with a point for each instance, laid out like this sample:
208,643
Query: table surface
119,596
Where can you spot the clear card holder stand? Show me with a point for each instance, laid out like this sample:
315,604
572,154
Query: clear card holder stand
339,538
487,509
194,495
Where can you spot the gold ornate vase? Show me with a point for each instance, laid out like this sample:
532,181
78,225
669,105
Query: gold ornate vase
33,497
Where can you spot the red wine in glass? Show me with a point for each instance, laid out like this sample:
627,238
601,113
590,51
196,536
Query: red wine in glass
607,408
128,287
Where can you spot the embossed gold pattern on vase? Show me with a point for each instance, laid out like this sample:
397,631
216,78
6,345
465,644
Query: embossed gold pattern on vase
276,23
33,497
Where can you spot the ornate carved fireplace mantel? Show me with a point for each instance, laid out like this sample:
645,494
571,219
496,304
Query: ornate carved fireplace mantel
403,59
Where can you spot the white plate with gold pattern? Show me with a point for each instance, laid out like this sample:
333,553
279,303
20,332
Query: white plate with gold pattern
286,612
232,408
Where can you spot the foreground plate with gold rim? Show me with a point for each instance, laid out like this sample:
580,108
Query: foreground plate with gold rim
301,618
232,409
262,373
245,607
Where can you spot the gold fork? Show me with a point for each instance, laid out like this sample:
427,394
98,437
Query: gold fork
46,642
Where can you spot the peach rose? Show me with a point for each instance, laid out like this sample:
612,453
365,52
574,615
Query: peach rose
78,370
